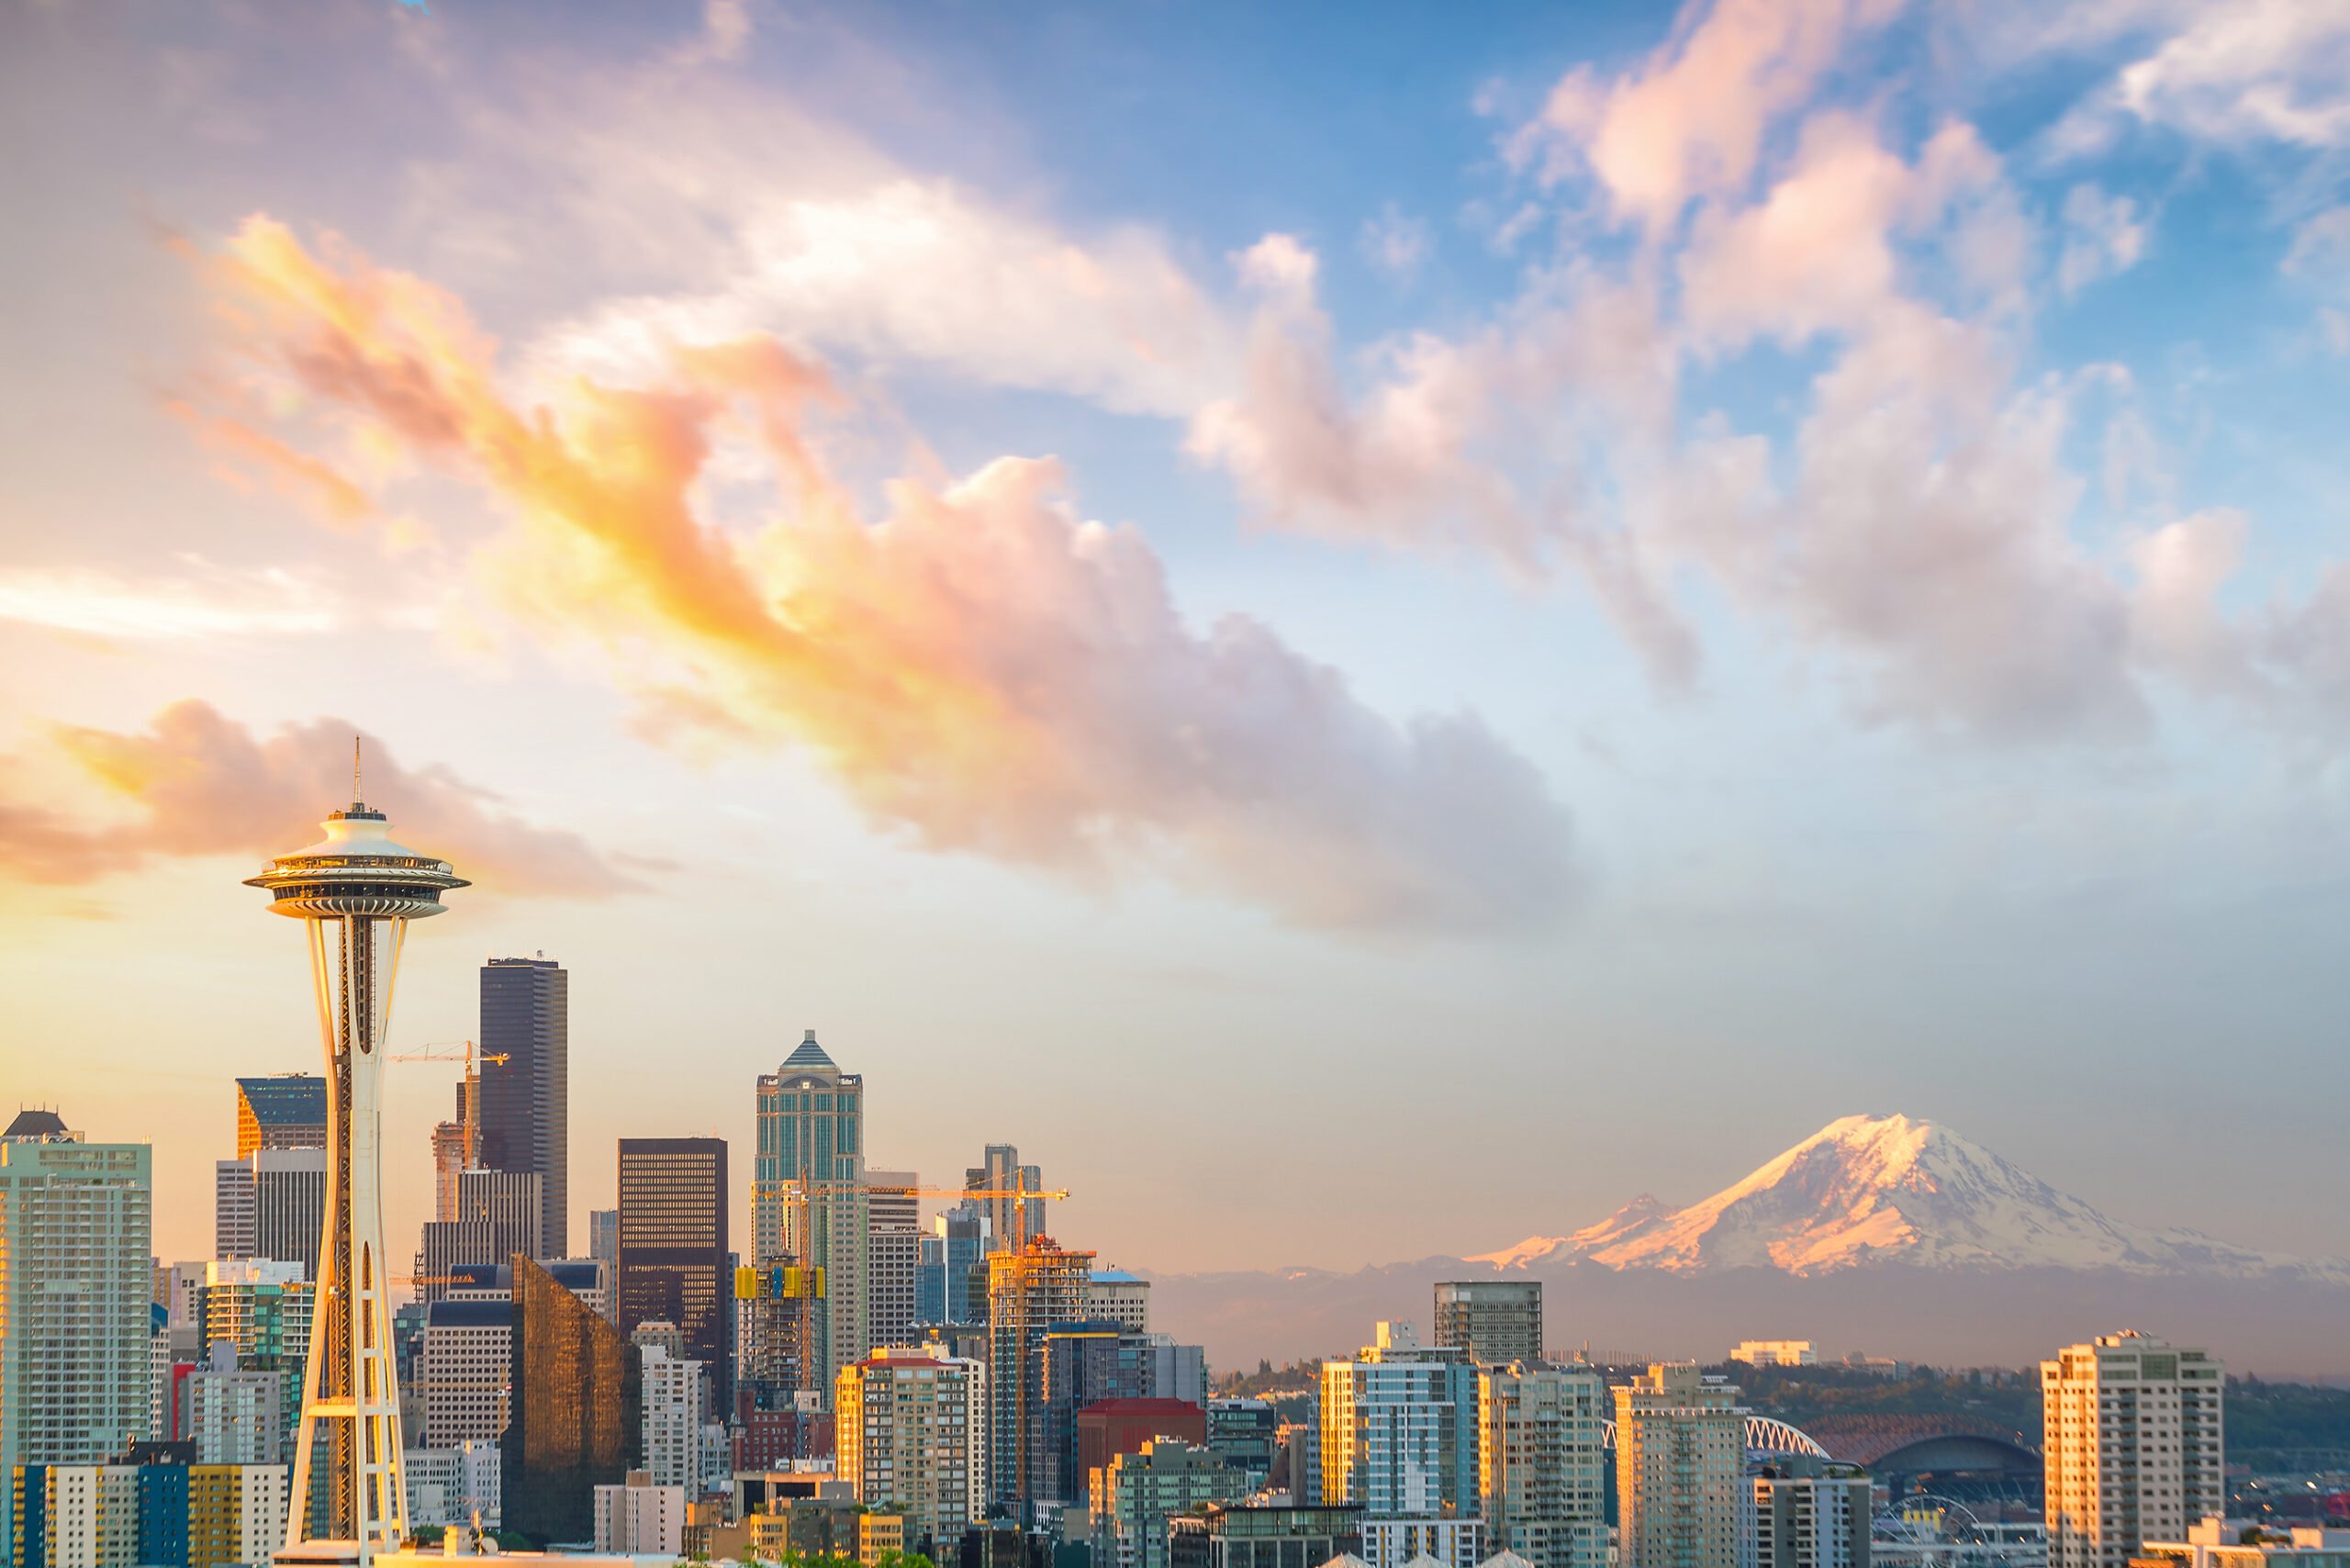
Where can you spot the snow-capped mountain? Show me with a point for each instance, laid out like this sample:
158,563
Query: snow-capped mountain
1869,1189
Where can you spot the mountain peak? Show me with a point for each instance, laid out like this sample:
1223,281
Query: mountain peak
1883,1188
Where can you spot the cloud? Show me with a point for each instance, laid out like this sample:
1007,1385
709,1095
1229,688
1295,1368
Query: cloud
2246,72
2104,235
206,603
2320,262
918,273
979,667
199,784
1691,120
1395,244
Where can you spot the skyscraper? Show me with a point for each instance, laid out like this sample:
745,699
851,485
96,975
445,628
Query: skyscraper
1540,1463
1494,1322
573,1420
526,1099
1134,1495
354,890
674,1265
1085,1364
1009,1218
1680,1469
288,1111
604,1247
956,1246
1028,1291
892,1252
808,1202
1397,1431
2132,1447
75,1278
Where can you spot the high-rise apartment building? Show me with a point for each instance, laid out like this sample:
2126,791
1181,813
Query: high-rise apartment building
1116,1297
2132,1447
1493,1322
1028,1291
1680,1469
259,1311
809,1207
231,1416
892,1252
1009,1218
574,1419
1248,1433
457,1144
676,1407
1808,1512
288,1111
910,1430
1134,1495
451,1485
76,1275
1541,1463
526,1097
672,1264
1397,1429
640,1517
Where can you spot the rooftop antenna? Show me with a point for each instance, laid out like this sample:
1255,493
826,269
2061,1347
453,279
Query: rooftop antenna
356,796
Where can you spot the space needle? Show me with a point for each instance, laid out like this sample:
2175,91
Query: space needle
355,891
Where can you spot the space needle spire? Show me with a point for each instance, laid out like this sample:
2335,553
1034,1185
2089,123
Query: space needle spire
354,890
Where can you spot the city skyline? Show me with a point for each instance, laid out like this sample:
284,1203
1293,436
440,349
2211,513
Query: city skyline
1785,550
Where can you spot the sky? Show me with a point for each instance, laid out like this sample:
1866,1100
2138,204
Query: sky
1370,630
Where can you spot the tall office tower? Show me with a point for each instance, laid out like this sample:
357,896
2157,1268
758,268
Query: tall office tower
1397,1431
892,1249
1540,1463
1085,1364
270,1203
808,1203
1009,1218
1028,1291
236,1514
910,1426
676,1406
2132,1447
1116,1297
465,1369
604,1247
956,1246
498,1213
1494,1322
1134,1495
573,1413
288,1111
76,1277
525,1106
356,892
1680,1469
1808,1512
674,1265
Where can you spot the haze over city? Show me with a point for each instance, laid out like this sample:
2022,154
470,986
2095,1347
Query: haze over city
1369,636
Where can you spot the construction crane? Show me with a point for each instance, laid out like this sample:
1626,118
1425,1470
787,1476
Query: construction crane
887,1189
434,1053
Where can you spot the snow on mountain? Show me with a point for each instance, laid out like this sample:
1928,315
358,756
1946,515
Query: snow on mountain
1885,1188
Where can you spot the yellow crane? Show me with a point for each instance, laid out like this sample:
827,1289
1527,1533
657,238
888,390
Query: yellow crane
434,1053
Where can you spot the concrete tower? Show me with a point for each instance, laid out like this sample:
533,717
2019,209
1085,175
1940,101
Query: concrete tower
355,891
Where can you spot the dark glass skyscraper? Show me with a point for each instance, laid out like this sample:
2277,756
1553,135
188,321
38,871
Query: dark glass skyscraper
573,1413
673,1263
526,1099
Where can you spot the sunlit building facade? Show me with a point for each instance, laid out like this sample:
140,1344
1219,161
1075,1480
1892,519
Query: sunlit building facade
1493,1322
1541,1464
573,1417
2132,1447
1680,1469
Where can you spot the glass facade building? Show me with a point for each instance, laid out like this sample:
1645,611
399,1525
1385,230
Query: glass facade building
573,1413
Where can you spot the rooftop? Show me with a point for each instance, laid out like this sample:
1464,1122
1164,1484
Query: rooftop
37,1124
293,1100
808,1053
